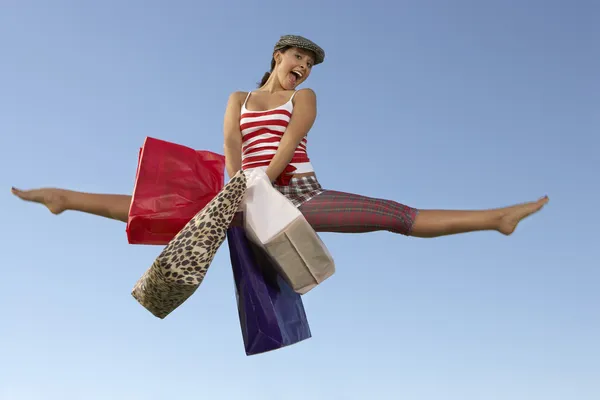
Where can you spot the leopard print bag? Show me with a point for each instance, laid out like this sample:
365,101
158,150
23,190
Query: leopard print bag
180,268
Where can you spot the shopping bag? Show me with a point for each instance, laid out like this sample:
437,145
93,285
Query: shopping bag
275,224
173,182
271,314
180,268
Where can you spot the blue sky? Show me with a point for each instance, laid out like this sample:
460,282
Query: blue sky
463,104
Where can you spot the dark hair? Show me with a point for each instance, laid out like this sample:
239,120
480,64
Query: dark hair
267,75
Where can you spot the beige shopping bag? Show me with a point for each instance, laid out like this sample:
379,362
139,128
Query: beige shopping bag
274,223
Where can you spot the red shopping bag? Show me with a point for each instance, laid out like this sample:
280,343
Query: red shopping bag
173,183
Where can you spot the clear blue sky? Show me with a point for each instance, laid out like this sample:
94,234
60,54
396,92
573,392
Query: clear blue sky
462,104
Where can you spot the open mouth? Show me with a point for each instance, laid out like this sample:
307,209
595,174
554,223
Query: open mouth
295,77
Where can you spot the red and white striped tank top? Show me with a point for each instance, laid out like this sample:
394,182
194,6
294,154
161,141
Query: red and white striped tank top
261,134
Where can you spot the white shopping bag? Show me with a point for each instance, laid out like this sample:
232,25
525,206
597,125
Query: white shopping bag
275,224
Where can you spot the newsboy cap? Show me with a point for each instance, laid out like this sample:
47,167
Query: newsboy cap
301,43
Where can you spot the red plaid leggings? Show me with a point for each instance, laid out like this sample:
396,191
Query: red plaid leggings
333,211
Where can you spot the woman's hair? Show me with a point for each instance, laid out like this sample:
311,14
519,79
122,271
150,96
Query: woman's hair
267,75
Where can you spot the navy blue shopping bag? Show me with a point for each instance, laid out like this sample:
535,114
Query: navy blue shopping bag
271,314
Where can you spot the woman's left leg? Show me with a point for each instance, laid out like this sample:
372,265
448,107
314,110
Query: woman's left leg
334,211
113,206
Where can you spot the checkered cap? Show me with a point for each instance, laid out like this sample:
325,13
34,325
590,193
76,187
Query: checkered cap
301,43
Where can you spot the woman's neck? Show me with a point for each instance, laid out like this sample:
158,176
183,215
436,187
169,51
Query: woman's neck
272,85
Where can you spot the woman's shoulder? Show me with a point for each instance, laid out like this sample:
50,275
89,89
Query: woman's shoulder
306,92
237,95
236,99
305,96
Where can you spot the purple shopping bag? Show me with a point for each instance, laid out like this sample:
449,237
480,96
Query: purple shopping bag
271,314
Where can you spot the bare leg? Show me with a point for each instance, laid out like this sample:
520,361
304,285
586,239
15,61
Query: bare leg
434,223
113,206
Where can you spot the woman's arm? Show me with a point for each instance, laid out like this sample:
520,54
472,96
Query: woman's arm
303,117
232,145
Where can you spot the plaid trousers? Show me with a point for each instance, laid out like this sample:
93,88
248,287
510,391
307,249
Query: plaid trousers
334,211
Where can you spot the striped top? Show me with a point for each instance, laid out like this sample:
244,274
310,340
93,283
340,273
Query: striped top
261,134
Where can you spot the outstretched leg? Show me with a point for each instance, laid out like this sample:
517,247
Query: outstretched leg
334,211
113,206
433,223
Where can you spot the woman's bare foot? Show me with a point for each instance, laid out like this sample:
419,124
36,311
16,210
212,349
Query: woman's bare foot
515,214
54,199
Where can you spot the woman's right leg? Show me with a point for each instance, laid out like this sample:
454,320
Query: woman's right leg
113,206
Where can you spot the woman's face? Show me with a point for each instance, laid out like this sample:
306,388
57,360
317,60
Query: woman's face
293,67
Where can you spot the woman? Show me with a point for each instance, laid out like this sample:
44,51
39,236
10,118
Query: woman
267,129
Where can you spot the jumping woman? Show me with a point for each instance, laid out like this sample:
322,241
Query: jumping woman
267,128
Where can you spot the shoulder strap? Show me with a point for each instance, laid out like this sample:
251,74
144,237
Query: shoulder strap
247,96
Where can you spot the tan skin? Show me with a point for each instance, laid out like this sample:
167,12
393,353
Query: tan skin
277,91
